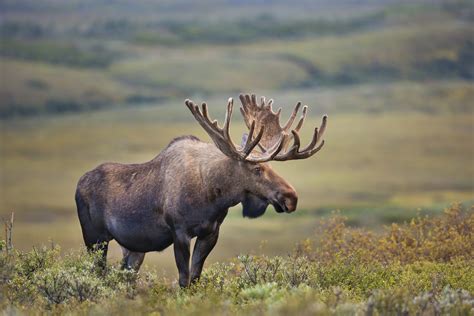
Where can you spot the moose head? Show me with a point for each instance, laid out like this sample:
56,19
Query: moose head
266,140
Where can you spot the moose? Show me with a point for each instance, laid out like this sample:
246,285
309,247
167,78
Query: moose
186,190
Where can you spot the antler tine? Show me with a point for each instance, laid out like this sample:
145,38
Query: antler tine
228,116
311,152
314,140
245,109
322,128
205,115
296,139
278,113
194,110
269,105
293,149
203,119
248,101
254,100
262,101
289,155
317,134
290,121
304,155
248,136
301,121
204,110
308,151
250,144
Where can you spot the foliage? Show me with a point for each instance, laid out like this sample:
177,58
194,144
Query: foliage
43,277
406,269
437,239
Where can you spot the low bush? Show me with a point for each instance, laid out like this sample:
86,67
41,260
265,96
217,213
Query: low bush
424,267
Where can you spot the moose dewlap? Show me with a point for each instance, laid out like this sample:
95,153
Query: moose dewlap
186,190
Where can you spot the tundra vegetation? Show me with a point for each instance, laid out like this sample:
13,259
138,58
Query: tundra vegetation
421,267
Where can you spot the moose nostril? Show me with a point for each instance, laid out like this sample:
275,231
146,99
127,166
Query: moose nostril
290,199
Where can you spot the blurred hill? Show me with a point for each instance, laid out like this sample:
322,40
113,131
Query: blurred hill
184,9
149,51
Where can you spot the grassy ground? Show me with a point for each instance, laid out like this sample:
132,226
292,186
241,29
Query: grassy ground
421,268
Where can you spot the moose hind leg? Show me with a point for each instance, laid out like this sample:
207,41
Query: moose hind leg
94,239
132,260
96,242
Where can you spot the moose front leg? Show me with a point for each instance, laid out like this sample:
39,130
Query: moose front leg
181,255
202,248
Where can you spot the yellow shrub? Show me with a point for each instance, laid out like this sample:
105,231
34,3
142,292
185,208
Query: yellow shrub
435,239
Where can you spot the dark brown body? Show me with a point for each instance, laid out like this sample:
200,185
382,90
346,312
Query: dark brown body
184,192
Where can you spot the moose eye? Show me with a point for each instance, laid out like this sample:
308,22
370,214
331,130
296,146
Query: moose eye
257,171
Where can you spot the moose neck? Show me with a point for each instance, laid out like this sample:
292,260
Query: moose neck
223,184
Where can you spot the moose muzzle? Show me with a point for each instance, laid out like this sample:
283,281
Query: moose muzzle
286,201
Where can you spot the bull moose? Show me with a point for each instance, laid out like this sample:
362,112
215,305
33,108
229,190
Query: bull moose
186,190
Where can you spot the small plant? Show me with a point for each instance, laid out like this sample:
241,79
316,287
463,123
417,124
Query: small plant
348,271
7,244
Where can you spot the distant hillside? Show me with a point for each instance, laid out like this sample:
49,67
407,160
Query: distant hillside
62,56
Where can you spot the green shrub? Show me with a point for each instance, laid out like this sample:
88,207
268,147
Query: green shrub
424,267
436,239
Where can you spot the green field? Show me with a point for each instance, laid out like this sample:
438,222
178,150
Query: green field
410,165
82,85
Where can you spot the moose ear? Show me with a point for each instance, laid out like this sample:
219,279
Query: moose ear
244,140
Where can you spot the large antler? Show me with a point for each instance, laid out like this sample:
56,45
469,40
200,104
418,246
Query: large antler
263,115
221,137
